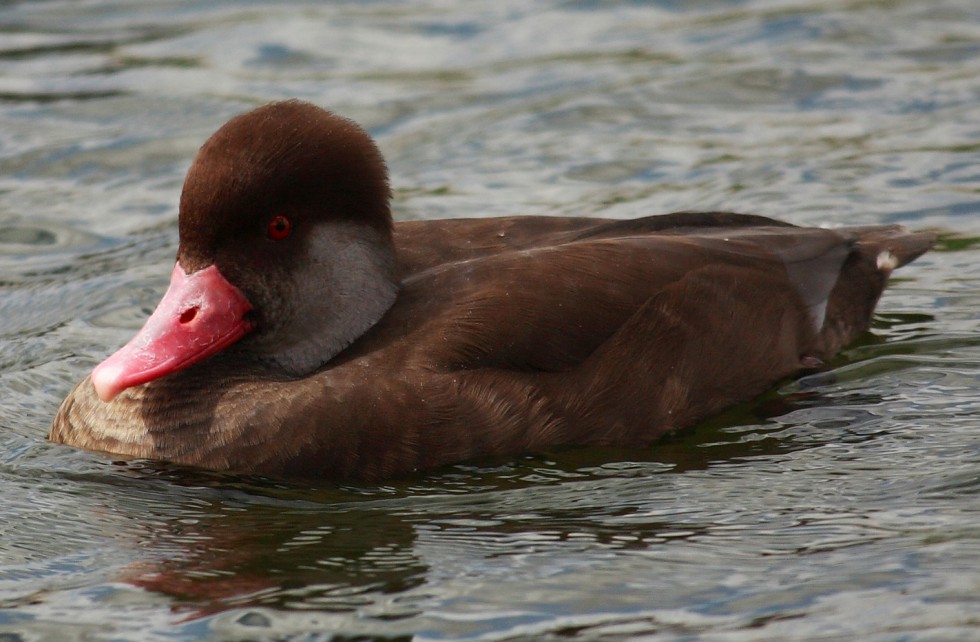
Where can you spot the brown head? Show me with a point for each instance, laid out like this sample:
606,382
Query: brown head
285,249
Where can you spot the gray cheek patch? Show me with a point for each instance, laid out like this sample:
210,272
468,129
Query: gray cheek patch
341,287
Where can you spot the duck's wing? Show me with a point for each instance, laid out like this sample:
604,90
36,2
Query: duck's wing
543,309
547,308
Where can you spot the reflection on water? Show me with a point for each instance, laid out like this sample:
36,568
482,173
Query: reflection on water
841,504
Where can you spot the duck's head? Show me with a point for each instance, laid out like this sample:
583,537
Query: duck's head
285,249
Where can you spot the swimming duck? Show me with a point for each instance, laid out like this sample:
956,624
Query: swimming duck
304,333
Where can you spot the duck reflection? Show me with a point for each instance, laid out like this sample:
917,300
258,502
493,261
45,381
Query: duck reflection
235,550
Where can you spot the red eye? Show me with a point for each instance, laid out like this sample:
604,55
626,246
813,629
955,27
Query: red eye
279,227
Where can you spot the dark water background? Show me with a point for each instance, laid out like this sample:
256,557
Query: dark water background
843,506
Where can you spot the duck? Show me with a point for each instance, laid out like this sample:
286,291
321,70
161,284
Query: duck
307,334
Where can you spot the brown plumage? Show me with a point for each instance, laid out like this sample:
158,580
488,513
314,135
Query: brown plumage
374,349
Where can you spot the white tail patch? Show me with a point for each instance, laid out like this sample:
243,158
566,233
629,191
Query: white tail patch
887,261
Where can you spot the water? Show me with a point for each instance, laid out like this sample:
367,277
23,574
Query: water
840,506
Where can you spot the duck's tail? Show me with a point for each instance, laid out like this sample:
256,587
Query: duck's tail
876,251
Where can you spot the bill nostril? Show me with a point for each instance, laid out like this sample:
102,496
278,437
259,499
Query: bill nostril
188,315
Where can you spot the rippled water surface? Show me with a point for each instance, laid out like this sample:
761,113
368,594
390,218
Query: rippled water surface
841,506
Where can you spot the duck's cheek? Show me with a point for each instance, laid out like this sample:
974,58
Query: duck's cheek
201,314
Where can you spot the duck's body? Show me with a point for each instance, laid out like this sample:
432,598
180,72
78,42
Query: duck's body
468,337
